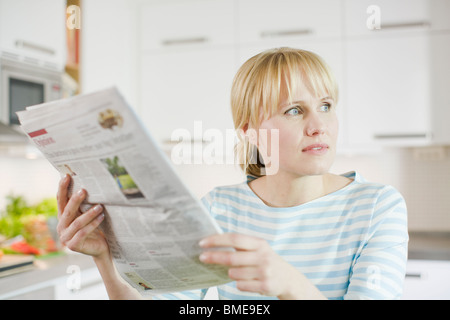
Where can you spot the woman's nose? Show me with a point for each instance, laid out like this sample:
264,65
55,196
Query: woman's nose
315,126
315,132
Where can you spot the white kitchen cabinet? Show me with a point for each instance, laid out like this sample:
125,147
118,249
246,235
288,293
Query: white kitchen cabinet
188,61
396,17
266,20
427,280
393,94
34,31
397,76
179,88
185,25
393,81
388,89
109,41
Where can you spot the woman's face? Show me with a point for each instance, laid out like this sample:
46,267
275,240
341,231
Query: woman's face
307,134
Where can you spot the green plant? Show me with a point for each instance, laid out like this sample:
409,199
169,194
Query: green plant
18,211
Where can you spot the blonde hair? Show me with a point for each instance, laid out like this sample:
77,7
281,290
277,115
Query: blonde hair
256,87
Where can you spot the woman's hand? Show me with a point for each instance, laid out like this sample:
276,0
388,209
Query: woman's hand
78,231
257,268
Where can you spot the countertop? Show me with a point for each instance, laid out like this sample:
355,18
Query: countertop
429,245
44,273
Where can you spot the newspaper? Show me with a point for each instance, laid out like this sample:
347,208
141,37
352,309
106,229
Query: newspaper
152,223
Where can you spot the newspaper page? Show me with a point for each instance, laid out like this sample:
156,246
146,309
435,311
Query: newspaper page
152,223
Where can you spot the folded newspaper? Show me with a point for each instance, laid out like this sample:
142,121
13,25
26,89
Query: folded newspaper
152,223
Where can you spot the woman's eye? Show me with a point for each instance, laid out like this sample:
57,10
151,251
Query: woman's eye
325,107
293,111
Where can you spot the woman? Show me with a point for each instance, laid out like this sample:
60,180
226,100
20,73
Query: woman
299,231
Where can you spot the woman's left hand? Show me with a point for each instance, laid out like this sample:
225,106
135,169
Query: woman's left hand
254,265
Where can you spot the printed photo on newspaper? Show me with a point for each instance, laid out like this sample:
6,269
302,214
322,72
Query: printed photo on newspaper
153,223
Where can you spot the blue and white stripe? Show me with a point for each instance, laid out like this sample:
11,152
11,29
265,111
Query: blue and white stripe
352,243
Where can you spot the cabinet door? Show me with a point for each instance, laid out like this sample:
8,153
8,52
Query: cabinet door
34,29
440,69
186,24
178,88
427,280
388,92
264,20
395,17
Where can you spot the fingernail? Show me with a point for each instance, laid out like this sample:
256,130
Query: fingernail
101,217
80,192
98,208
203,243
63,180
203,257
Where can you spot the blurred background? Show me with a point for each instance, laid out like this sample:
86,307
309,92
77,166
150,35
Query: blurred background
174,61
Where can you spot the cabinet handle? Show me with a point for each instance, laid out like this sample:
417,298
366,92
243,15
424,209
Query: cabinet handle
32,46
282,33
411,24
171,42
401,136
413,275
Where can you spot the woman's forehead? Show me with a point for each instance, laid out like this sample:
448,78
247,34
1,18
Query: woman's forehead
299,92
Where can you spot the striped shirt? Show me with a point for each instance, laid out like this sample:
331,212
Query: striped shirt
351,244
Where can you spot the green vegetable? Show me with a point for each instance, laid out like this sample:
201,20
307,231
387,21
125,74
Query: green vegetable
18,211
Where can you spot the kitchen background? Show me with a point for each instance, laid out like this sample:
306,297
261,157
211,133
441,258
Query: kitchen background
174,61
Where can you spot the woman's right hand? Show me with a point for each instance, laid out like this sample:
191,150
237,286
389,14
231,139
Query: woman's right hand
79,231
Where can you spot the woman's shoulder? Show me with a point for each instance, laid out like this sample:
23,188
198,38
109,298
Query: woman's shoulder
358,182
384,197
231,191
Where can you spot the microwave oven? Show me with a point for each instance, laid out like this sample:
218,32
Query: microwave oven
22,85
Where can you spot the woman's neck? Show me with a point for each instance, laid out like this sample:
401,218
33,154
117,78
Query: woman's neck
284,190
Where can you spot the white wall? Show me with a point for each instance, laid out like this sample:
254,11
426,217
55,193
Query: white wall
34,179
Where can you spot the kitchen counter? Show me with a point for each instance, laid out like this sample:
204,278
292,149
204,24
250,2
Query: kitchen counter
61,277
429,246
53,278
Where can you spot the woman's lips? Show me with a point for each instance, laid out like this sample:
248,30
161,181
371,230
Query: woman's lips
317,149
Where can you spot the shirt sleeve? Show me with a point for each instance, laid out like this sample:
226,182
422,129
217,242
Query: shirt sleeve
379,270
207,200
